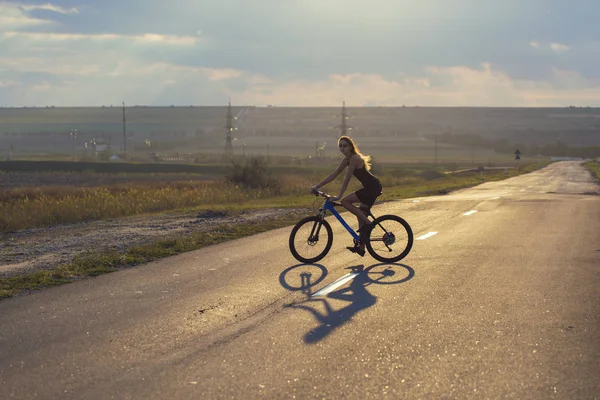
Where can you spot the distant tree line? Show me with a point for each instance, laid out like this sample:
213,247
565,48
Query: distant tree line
504,146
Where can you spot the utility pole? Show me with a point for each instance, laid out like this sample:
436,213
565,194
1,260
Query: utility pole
344,127
229,128
73,134
124,132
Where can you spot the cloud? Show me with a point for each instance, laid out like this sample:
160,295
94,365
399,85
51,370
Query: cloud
9,83
13,16
147,38
167,83
47,7
41,86
220,74
455,86
555,47
19,16
559,47
298,53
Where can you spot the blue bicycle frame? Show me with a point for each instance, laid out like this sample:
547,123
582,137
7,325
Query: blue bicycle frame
330,207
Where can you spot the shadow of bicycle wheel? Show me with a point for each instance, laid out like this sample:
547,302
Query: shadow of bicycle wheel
302,277
389,273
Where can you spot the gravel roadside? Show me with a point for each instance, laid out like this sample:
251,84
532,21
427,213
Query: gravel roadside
31,250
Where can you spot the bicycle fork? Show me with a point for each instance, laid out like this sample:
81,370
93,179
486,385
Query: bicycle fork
314,233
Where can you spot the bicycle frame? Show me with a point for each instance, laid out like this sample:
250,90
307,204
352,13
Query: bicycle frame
329,206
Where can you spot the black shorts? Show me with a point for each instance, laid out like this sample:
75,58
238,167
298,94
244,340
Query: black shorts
367,196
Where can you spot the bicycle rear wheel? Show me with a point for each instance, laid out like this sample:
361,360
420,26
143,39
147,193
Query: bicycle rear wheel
390,239
309,242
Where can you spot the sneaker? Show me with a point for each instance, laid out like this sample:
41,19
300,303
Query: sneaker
357,250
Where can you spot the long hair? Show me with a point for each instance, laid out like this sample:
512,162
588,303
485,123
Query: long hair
355,150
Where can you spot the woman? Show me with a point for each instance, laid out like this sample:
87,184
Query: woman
359,166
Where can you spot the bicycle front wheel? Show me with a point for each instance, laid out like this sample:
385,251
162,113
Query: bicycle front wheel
390,239
311,239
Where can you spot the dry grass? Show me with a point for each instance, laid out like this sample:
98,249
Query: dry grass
31,207
39,207
594,168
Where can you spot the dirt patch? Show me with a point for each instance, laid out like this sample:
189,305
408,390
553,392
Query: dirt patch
46,248
431,175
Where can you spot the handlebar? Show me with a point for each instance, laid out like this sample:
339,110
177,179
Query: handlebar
319,193
327,196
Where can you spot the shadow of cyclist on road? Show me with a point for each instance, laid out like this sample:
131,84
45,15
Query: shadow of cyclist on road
356,294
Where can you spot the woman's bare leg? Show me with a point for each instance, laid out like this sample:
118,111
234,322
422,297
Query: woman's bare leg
348,203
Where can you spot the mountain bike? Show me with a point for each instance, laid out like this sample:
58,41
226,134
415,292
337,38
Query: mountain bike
390,238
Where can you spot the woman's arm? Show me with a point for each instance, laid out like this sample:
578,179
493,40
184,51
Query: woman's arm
331,177
354,161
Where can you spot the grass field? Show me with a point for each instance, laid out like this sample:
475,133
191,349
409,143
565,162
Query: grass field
594,168
60,198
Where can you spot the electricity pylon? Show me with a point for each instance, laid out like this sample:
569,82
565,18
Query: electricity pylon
343,126
124,132
229,128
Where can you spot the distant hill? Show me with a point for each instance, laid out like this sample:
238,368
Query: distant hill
204,127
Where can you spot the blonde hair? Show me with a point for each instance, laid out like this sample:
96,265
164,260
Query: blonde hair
355,150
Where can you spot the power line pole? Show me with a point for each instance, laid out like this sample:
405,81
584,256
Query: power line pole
124,132
229,128
344,127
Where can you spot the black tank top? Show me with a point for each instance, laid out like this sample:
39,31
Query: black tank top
367,179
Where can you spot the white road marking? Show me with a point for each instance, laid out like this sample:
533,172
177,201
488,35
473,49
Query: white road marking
470,212
332,286
427,235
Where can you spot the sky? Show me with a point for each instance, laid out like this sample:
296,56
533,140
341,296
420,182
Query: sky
509,53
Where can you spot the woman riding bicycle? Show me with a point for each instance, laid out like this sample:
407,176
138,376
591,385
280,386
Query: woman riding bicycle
358,165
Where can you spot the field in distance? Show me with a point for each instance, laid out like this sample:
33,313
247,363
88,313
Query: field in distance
391,134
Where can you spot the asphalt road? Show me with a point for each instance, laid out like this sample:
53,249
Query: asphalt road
503,301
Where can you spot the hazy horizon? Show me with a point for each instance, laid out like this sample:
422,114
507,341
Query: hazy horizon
70,53
238,106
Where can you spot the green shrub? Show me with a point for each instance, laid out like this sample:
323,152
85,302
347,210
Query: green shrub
253,173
